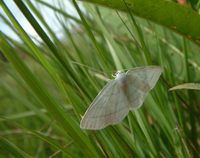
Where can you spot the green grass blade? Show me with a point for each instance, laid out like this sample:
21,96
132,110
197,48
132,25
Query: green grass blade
52,106
8,148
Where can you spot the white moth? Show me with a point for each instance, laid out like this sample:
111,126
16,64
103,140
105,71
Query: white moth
126,92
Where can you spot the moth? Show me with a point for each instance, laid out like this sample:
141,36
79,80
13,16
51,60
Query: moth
126,92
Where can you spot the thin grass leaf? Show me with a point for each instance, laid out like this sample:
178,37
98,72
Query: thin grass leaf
9,148
192,86
161,12
53,143
53,107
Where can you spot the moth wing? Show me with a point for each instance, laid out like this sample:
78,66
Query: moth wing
141,81
109,107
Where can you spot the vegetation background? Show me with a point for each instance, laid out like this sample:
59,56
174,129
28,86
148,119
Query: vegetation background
46,85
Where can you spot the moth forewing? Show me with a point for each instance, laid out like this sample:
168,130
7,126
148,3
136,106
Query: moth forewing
106,109
148,74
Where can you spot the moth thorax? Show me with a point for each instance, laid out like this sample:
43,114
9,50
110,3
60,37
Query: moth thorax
120,75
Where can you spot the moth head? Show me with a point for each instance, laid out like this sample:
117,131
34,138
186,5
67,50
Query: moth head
118,74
